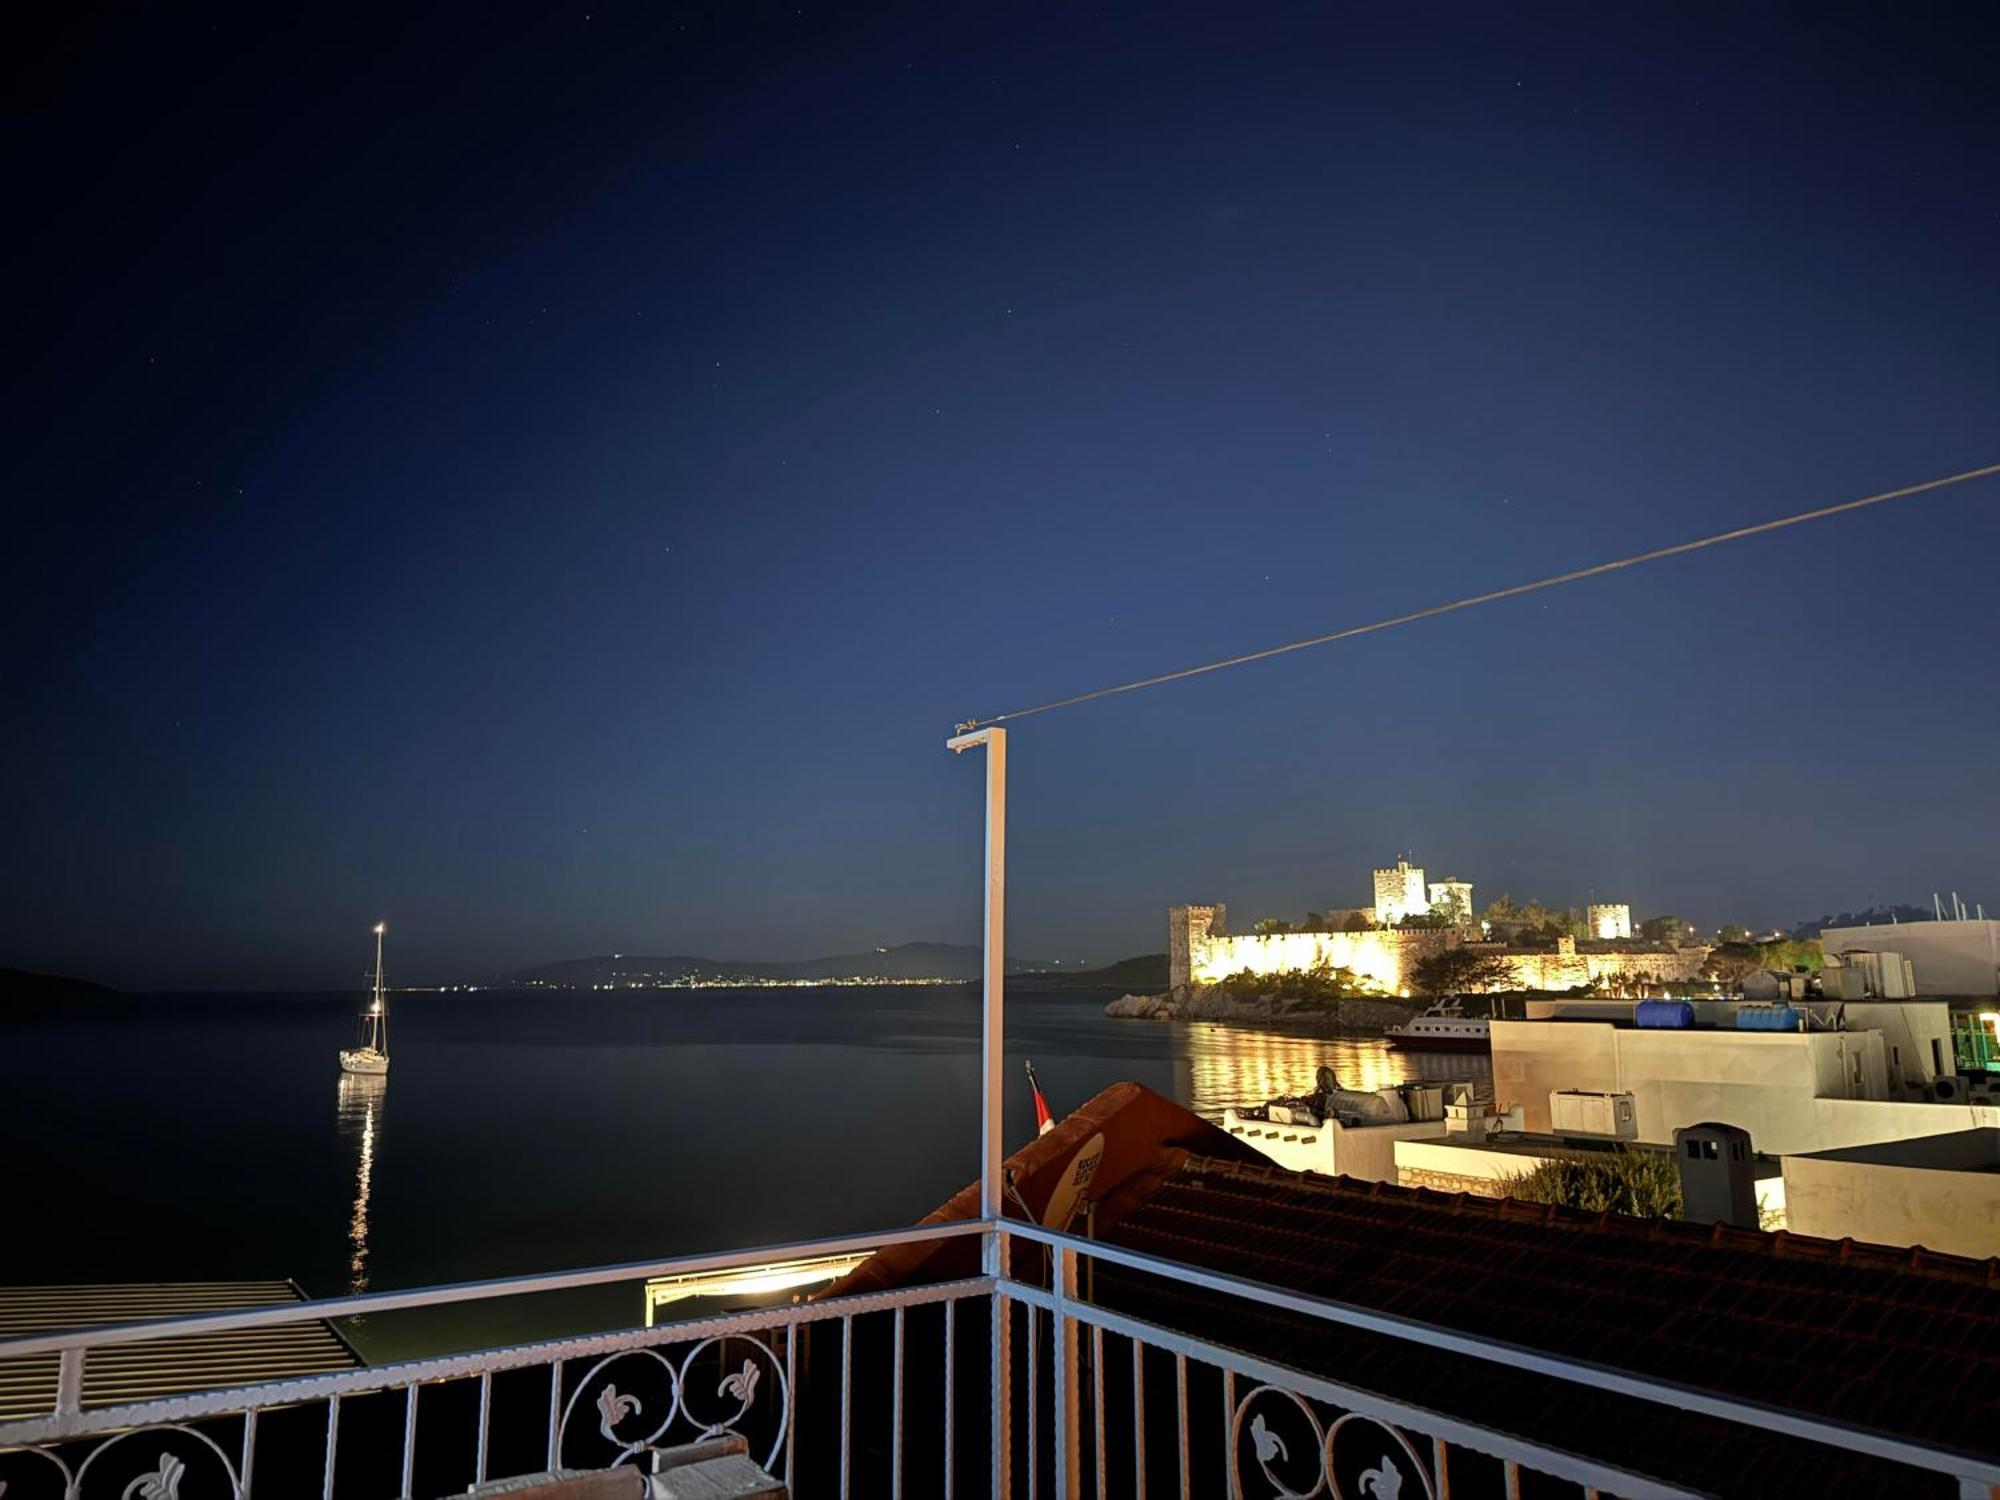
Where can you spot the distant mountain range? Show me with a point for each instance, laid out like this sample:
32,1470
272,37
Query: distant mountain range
905,961
20,986
935,962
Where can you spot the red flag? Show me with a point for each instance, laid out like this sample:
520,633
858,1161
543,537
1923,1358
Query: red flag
1044,1121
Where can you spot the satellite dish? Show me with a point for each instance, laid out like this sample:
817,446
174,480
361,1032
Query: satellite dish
1075,1183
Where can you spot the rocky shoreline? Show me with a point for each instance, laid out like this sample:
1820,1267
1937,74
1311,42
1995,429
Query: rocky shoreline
1262,1010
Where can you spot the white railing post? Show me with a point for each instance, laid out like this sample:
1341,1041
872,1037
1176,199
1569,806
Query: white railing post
992,1060
1069,1447
69,1382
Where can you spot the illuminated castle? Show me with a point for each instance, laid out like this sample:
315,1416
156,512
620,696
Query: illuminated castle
1201,950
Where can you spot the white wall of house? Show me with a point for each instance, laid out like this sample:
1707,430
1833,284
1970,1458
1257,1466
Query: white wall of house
1943,1194
1364,1151
1950,958
1793,1091
1916,1032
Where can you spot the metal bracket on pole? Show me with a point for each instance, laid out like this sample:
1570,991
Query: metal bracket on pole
992,1059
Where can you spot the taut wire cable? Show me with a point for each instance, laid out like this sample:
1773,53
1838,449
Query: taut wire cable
1495,596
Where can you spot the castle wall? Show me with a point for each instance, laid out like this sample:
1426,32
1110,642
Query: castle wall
1565,968
1200,951
1384,956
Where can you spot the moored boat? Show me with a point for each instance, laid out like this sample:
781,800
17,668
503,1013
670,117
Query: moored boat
1442,1028
372,1053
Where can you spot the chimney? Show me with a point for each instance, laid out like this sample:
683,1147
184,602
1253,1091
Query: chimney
1718,1176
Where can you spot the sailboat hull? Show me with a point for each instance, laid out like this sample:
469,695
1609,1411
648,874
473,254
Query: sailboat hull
364,1060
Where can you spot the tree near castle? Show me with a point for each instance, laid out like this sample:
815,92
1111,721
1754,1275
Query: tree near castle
1729,963
1452,910
1531,922
1459,971
1667,929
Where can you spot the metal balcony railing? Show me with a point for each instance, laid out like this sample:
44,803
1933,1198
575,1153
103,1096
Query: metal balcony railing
995,1384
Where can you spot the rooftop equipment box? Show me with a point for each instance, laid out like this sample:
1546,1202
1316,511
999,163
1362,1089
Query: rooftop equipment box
1580,1112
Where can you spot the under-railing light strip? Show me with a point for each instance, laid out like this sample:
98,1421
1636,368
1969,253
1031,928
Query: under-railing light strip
475,1291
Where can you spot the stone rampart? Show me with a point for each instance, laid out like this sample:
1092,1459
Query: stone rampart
1200,952
1384,956
1566,969
1451,1182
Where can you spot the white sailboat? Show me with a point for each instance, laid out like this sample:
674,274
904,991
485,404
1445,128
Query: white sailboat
372,1056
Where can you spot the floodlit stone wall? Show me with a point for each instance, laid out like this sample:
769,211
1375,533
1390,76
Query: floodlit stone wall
1200,950
1384,957
1565,968
1450,1182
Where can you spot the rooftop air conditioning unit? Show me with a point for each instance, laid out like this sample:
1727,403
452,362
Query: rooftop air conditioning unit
1613,1117
1425,1101
1948,1088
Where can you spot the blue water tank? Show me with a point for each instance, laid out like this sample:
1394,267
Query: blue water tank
1664,1015
1766,1018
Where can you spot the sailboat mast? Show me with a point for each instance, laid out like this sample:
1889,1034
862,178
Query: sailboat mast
381,1011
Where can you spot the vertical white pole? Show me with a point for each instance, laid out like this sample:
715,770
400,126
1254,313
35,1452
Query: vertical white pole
1069,1426
993,1046
992,1057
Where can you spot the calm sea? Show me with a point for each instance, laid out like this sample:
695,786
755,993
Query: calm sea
192,1137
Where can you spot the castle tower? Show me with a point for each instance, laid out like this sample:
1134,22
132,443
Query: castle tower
1400,893
1458,892
1608,923
1188,928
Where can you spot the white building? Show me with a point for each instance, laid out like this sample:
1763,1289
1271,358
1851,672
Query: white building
1793,1091
1946,958
1400,892
1609,923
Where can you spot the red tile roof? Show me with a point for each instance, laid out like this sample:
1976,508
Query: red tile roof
1900,1341
1868,1337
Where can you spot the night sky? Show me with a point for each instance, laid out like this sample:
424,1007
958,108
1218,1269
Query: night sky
552,478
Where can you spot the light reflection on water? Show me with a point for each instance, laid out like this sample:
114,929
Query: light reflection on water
533,1133
358,1124
1228,1067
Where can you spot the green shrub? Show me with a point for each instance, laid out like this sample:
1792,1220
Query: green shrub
1322,983
1646,1184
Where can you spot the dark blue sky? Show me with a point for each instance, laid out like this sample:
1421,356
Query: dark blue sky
553,478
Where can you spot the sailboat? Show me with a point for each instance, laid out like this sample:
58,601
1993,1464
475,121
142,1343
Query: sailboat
372,1056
